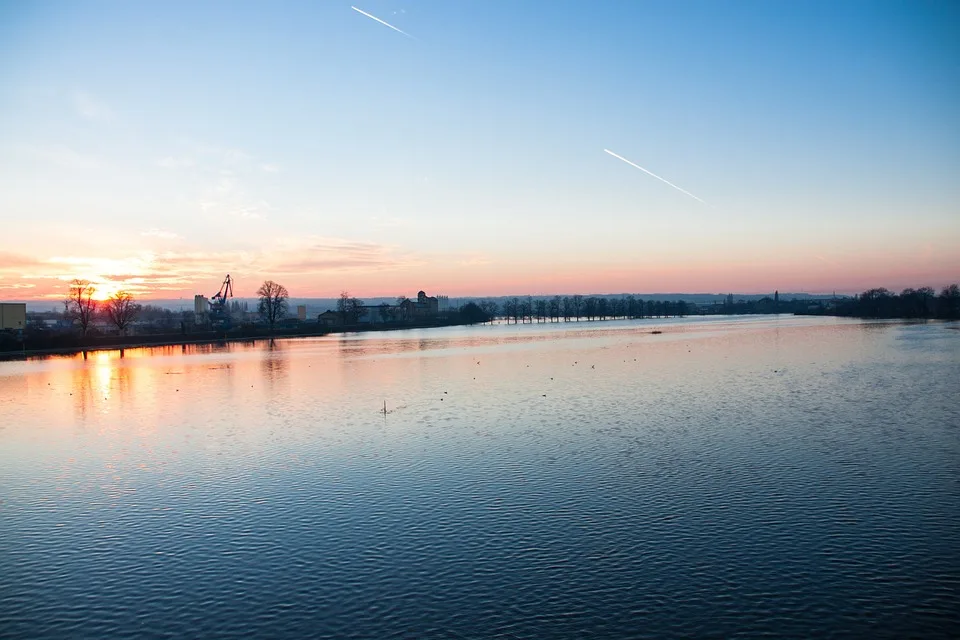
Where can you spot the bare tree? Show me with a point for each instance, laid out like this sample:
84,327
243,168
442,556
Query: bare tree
403,307
343,306
349,308
554,307
356,310
273,302
80,304
490,307
541,309
514,308
121,310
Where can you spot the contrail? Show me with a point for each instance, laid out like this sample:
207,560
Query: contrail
654,175
382,22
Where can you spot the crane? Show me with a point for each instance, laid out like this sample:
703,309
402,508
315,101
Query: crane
219,316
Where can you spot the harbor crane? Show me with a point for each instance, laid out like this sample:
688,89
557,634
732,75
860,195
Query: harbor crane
219,313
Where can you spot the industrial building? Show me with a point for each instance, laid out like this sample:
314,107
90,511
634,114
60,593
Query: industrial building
200,308
13,316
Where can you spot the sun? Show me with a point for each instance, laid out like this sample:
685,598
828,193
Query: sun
103,291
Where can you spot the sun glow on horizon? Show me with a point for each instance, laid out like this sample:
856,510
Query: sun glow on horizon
103,291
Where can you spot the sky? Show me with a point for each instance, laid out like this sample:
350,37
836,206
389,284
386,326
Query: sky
478,148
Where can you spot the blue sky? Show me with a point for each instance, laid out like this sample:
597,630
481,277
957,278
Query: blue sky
173,142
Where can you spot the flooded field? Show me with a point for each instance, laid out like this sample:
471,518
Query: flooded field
763,475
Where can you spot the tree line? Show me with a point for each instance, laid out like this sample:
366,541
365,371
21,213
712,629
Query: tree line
909,303
528,309
81,307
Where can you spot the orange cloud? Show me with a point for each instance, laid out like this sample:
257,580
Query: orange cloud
311,262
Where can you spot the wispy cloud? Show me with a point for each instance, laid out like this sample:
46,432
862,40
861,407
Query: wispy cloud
372,17
156,274
90,107
632,164
323,255
269,168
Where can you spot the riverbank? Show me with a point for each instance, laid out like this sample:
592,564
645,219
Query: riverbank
61,345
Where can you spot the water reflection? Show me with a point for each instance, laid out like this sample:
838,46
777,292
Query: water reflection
519,473
274,363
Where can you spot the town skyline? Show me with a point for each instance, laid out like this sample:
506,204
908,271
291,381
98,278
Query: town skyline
478,149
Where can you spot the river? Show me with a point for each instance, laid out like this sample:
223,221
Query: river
785,476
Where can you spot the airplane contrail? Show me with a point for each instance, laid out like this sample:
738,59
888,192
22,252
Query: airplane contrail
633,164
361,11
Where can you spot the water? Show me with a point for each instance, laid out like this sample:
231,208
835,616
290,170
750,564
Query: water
728,477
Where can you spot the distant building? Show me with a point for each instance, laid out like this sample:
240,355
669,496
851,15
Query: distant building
201,308
424,307
302,312
443,303
13,316
329,319
368,314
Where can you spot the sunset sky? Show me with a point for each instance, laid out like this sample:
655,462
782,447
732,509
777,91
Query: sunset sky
158,146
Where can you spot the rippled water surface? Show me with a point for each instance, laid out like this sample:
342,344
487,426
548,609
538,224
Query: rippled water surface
728,477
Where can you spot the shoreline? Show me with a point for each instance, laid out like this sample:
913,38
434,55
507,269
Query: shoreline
172,340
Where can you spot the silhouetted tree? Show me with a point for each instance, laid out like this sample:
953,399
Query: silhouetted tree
555,308
876,303
514,309
471,313
80,305
121,310
541,306
949,302
273,302
577,306
349,308
490,308
589,308
526,310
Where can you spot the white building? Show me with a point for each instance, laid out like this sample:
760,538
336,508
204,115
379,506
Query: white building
201,308
13,316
